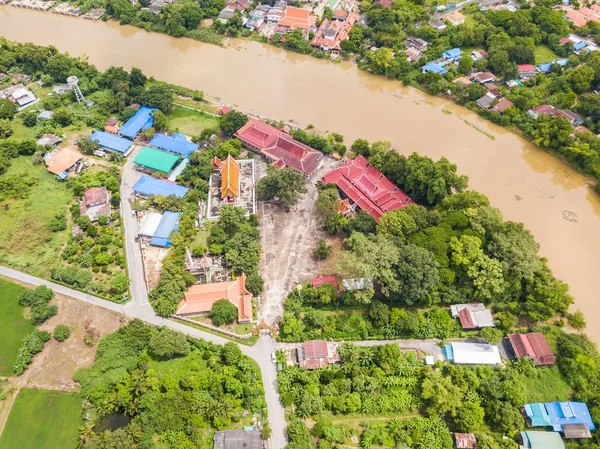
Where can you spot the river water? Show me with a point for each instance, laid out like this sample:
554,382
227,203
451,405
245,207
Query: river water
525,183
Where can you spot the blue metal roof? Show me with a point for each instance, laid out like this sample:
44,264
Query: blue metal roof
556,414
168,224
435,68
147,185
177,143
579,45
453,53
111,142
544,67
141,120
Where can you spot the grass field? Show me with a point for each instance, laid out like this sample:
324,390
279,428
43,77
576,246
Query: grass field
544,385
26,242
43,419
191,122
13,326
543,54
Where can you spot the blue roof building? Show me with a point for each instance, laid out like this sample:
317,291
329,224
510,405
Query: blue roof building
140,121
111,142
559,414
168,223
579,45
177,143
147,185
454,54
546,67
435,68
542,440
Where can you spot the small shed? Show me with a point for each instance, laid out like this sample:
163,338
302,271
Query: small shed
237,439
44,115
465,440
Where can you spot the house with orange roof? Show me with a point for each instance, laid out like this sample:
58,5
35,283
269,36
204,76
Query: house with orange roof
200,298
230,180
297,19
61,161
331,33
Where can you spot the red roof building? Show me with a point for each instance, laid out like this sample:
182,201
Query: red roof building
534,346
95,203
331,33
279,147
367,187
224,110
200,298
543,109
317,282
465,440
502,105
297,18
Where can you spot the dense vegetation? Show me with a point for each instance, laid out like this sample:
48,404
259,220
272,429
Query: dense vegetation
382,381
176,389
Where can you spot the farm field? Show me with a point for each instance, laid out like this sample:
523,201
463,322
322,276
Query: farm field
57,429
191,122
13,326
26,241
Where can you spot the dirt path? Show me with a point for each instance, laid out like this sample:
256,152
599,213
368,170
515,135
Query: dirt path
5,408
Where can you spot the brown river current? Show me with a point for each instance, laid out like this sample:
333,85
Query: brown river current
525,183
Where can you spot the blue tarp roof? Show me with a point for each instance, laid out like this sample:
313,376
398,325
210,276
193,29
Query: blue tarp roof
168,224
177,143
111,142
556,414
435,68
147,185
141,120
453,53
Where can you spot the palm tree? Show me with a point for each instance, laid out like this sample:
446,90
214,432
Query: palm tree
86,431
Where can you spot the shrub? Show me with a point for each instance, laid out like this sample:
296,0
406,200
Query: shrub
576,320
167,344
323,250
32,344
61,332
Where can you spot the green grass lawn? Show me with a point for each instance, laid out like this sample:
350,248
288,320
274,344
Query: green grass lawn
543,54
545,385
13,326
180,366
43,419
191,122
26,242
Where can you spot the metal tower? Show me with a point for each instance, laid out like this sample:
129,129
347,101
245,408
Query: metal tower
72,81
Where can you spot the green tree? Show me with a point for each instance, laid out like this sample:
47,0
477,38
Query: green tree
230,218
465,65
61,332
166,343
160,121
7,109
88,146
223,312
285,185
232,121
360,147
577,320
581,78
159,96
469,417
323,249
441,396
6,129
417,274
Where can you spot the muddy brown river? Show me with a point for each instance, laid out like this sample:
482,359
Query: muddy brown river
525,183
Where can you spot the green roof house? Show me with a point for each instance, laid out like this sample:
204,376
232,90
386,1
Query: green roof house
538,415
156,159
542,440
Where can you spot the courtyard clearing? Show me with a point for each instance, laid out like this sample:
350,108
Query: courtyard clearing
190,121
58,429
13,325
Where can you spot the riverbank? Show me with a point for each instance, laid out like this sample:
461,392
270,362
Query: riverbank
524,182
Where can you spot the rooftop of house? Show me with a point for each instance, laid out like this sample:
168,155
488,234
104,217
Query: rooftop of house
557,414
237,439
367,187
464,353
502,105
315,349
61,160
465,440
472,315
542,440
533,346
95,195
526,67
147,185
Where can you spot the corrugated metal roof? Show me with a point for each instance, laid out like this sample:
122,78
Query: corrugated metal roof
141,120
147,185
156,159
111,142
150,224
463,353
177,143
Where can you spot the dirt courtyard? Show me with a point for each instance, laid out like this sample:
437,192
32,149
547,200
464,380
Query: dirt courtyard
289,240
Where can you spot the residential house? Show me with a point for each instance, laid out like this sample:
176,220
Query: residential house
20,78
571,418
412,54
502,105
438,24
384,3
155,160
297,19
472,316
543,109
49,140
275,13
200,298
417,43
257,17
455,18
478,55
23,98
367,187
465,440
484,77
61,161
463,353
579,129
486,101
237,439
44,115
279,147
462,80
315,354
454,54
486,5
534,346
332,32
573,118
434,67
541,440
95,202
526,71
